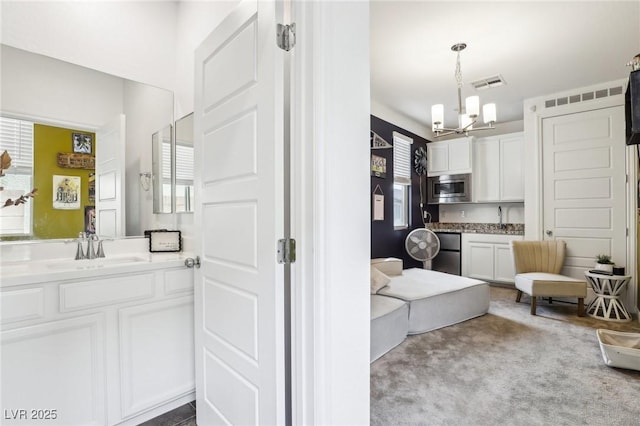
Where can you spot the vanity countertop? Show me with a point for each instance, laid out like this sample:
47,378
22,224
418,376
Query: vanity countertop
31,272
478,228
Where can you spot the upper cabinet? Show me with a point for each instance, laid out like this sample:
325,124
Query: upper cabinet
449,157
498,163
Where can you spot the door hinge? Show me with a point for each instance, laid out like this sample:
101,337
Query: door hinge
286,36
286,250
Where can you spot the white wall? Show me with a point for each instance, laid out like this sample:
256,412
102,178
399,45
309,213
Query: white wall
133,40
390,115
38,86
147,110
195,20
340,183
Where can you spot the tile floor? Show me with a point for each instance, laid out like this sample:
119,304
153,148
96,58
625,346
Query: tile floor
184,415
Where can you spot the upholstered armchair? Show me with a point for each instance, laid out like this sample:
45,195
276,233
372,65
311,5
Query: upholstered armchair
537,266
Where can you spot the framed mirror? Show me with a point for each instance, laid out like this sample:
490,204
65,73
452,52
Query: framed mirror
162,165
184,161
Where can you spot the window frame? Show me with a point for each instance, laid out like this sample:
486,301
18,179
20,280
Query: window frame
402,178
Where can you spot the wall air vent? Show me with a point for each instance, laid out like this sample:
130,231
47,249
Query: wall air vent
489,82
588,96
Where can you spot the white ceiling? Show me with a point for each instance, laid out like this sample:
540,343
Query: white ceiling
538,47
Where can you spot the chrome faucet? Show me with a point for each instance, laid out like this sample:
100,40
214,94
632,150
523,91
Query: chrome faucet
91,252
79,251
501,225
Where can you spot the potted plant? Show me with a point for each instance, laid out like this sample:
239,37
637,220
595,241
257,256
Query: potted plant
604,263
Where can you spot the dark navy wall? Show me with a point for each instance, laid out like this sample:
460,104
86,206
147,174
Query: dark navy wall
385,241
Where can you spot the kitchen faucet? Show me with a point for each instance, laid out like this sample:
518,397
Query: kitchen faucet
501,225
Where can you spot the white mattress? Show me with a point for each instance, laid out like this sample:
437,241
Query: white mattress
437,299
389,324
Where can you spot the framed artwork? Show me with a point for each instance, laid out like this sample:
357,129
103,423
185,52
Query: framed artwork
378,166
82,143
66,192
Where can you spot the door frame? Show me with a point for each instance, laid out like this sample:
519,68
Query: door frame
534,113
330,278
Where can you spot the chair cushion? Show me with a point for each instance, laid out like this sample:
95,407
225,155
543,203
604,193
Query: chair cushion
378,280
555,285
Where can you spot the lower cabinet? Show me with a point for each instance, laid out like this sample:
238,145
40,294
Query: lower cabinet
488,257
85,352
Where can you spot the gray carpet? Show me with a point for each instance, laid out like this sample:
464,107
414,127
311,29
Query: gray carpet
506,368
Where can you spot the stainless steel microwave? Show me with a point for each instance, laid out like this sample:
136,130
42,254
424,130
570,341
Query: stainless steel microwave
449,189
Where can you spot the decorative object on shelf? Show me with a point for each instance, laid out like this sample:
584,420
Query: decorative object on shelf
66,192
378,166
5,163
70,160
604,263
81,143
466,117
378,143
378,203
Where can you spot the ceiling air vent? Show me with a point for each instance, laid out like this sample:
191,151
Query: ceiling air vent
489,82
588,96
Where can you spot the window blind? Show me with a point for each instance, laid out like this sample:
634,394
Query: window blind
401,159
184,164
16,136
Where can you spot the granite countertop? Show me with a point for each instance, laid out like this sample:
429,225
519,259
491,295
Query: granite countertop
478,228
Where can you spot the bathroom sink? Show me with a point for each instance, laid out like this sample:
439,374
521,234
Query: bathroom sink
95,263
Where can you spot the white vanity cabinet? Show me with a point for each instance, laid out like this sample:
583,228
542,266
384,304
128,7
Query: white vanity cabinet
488,257
498,168
114,349
449,157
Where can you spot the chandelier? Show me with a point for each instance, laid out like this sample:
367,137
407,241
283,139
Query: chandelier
466,117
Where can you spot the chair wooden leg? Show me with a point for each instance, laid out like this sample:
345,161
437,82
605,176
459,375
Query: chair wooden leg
533,305
580,306
518,296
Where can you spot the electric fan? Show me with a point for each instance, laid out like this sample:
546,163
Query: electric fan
422,244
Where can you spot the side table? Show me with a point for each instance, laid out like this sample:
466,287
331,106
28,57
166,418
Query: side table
607,304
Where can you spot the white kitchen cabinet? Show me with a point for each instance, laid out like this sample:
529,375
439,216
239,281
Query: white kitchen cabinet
498,168
114,349
488,257
449,157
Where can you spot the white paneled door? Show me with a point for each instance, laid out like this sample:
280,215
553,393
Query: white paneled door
110,170
584,186
239,299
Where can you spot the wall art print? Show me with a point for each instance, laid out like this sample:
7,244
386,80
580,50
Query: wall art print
82,143
378,166
66,192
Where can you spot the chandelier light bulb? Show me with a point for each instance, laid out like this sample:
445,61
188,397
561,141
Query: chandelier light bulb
489,113
473,106
437,115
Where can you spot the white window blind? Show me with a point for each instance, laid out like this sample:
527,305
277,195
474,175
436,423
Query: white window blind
184,163
16,136
166,161
401,159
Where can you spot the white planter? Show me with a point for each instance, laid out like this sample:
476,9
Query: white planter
608,267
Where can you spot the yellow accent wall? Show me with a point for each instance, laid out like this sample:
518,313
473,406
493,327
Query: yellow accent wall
48,222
